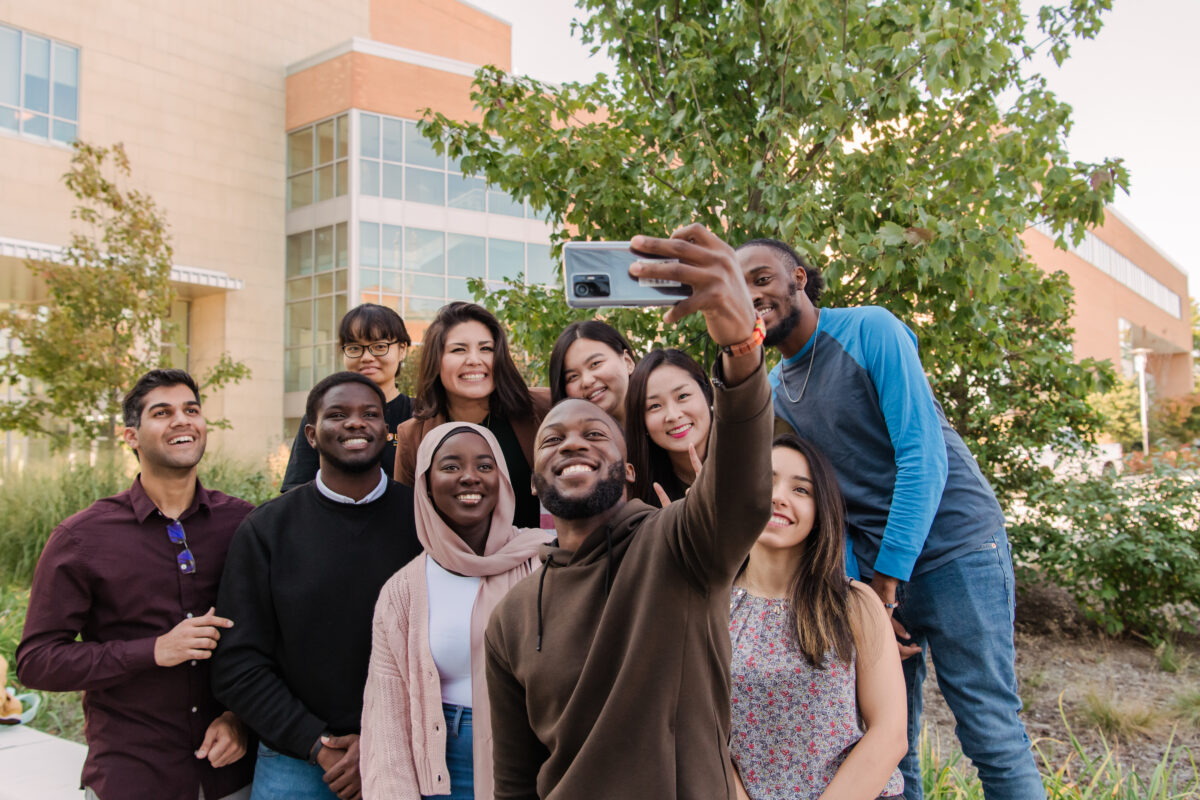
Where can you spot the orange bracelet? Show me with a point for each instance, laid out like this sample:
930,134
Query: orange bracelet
748,346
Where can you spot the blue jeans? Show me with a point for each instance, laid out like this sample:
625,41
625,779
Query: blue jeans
459,753
280,777
962,614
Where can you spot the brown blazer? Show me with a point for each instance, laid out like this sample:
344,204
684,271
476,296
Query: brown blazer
412,431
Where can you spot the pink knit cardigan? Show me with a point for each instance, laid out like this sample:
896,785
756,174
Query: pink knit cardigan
403,744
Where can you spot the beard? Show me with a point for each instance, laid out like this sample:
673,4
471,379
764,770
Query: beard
783,329
604,496
356,466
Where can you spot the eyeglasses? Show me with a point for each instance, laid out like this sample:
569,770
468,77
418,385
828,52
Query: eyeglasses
185,559
376,349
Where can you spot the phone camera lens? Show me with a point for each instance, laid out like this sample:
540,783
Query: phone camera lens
583,289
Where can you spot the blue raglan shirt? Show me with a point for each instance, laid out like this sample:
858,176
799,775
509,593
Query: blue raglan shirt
915,498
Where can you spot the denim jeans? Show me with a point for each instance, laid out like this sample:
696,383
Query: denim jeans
961,613
459,753
280,777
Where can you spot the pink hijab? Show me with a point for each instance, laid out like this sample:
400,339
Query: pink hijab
508,557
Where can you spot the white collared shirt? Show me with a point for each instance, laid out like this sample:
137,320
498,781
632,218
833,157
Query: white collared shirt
373,495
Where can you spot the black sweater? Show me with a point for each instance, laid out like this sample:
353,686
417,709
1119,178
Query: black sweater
303,463
300,583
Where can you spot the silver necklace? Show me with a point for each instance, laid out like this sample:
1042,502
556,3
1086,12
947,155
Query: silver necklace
811,357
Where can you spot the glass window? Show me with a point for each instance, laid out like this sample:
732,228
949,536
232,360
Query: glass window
298,323
368,177
325,283
300,151
506,259
428,285
368,280
501,203
424,251
456,289
325,186
343,245
392,246
343,136
368,244
10,66
343,179
299,288
297,372
466,255
389,282
393,142
468,193
341,282
326,324
339,305
325,142
324,249
393,181
368,138
64,131
37,73
540,268
66,81
419,149
37,125
300,190
29,101
299,254
424,186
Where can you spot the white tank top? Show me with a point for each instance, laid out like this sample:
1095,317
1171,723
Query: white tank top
450,600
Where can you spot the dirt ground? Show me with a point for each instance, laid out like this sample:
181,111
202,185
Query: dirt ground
1116,680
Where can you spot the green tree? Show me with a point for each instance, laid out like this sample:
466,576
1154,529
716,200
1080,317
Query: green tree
105,320
904,146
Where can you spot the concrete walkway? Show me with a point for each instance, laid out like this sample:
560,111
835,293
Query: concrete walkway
38,766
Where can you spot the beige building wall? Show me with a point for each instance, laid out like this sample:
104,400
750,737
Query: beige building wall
196,91
1101,301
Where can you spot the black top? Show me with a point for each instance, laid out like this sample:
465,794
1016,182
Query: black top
303,464
300,584
528,511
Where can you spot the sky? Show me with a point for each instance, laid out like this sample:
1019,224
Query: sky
1135,91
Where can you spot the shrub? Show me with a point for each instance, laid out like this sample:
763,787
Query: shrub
1128,550
33,503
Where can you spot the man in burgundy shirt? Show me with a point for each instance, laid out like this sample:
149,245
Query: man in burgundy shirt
135,576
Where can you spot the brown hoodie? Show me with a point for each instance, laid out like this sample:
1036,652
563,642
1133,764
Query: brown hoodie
628,696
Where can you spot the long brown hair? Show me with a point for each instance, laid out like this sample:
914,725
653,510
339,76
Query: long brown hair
510,395
820,592
651,463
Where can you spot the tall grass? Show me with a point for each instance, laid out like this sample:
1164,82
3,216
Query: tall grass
34,502
1075,776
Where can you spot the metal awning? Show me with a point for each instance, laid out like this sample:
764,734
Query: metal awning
204,280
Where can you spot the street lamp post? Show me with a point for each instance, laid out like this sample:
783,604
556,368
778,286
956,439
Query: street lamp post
1139,363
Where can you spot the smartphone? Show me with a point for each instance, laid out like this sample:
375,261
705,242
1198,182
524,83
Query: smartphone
596,274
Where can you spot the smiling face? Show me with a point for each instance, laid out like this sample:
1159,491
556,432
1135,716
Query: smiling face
466,368
593,371
773,286
464,484
349,433
172,432
579,466
380,369
793,508
677,413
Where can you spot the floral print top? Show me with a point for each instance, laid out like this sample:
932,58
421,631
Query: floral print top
793,725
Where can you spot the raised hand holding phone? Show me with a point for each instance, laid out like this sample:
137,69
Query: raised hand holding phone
704,262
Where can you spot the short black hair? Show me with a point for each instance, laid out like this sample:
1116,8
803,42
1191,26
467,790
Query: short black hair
317,395
135,400
814,286
371,322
